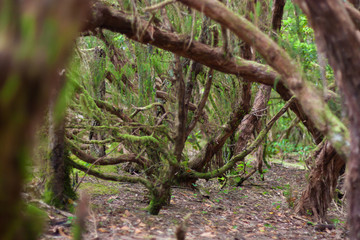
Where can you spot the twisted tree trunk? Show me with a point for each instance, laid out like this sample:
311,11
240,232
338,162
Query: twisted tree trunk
322,183
336,35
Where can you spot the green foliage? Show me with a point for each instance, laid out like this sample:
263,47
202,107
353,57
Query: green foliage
34,222
297,37
194,139
305,46
289,195
138,71
98,189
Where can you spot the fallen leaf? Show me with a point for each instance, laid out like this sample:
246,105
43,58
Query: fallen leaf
125,228
207,234
138,230
127,213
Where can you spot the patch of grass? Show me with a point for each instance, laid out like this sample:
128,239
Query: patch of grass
97,189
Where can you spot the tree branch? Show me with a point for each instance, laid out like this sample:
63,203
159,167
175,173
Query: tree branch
313,104
105,17
115,178
104,161
180,135
243,154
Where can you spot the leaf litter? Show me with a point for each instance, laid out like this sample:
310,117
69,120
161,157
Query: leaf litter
257,210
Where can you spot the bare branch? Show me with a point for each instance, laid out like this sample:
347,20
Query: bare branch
158,6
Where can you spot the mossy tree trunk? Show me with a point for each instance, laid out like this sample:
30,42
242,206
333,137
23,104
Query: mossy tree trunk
29,63
160,197
58,187
98,70
336,35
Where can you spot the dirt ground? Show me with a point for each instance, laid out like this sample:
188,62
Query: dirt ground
257,210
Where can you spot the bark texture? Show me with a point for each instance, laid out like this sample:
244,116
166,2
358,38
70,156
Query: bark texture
26,80
336,36
249,122
277,14
322,183
58,189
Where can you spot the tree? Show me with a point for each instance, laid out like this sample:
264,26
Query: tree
30,55
104,18
314,106
331,34
152,114
158,151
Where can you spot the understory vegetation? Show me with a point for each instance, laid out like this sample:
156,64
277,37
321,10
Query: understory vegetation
168,97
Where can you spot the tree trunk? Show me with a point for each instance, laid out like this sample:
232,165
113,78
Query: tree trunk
99,89
58,187
249,122
26,79
336,36
159,197
322,183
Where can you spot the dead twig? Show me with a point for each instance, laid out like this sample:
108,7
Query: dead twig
159,6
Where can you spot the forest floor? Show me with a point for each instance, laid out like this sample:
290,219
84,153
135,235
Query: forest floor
257,210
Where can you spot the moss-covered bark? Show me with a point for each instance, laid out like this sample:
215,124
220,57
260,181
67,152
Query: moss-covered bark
35,41
58,189
159,198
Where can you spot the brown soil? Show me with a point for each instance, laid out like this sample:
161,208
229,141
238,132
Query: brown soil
257,210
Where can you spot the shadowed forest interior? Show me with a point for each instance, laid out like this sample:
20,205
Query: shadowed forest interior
180,119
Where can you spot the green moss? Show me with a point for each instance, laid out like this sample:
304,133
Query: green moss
159,198
154,207
34,219
102,169
97,189
64,201
139,139
50,198
109,169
